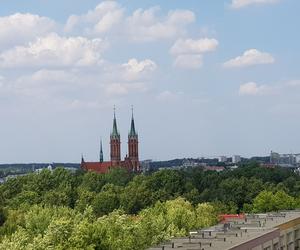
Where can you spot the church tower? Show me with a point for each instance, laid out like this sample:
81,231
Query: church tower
115,144
133,150
101,152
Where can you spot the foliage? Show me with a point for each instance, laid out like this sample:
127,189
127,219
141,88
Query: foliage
267,201
65,228
2,216
117,210
107,201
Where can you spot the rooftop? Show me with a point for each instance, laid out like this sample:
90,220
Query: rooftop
233,232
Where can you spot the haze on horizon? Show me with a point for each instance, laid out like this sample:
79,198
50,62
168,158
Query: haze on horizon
206,78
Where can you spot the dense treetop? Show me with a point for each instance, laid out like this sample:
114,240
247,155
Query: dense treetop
119,210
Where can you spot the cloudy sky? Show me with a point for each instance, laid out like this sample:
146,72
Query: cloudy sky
206,78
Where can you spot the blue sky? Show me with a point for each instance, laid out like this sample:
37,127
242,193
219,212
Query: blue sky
206,78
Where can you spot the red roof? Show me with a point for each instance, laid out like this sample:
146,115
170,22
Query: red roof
226,217
99,167
214,168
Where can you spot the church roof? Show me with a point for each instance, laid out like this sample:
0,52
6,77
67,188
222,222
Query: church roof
99,167
104,167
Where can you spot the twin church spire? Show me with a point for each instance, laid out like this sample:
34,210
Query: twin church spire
130,162
115,144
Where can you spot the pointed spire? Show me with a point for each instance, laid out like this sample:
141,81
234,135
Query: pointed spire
115,132
101,151
132,132
82,159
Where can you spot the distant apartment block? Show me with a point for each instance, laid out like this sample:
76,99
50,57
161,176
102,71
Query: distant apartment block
222,158
272,231
285,160
236,159
191,164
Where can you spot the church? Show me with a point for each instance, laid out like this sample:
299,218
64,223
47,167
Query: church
130,162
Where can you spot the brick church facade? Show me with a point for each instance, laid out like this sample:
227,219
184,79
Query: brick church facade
130,162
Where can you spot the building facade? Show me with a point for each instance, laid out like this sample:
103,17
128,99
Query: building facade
236,159
130,162
285,160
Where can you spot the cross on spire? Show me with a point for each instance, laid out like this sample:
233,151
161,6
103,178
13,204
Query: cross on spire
132,111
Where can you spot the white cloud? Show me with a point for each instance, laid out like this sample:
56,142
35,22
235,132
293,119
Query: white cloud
55,51
252,88
283,88
190,46
188,61
132,76
237,4
98,21
133,69
249,58
146,25
249,88
20,28
189,52
143,25
75,87
45,84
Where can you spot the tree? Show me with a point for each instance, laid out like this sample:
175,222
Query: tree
224,207
25,197
2,216
166,184
206,215
264,202
18,240
283,201
180,216
153,224
54,197
85,198
107,200
136,195
85,210
14,219
117,231
118,176
193,196
93,182
239,190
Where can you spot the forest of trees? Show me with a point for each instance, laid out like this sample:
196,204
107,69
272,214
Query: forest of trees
123,211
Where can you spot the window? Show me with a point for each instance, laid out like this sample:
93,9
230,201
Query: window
276,246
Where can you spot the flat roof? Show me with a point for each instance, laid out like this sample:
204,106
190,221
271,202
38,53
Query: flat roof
232,233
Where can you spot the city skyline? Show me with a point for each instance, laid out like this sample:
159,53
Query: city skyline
207,78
